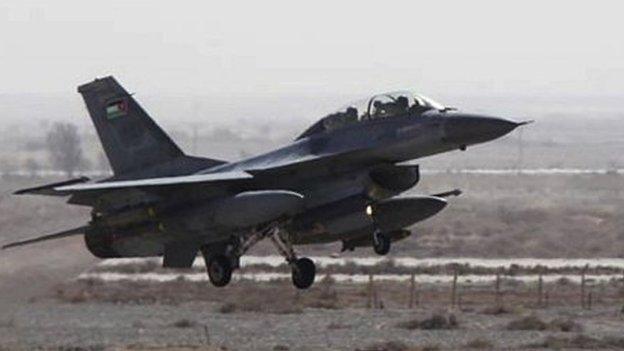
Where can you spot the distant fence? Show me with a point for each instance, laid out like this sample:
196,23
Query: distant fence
457,283
586,293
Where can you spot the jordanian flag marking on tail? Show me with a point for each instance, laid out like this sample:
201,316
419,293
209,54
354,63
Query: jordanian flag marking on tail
117,109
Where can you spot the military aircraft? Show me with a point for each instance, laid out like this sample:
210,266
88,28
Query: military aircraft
336,182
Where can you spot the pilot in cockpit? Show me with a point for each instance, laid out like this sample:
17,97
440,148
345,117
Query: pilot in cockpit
379,109
395,107
401,104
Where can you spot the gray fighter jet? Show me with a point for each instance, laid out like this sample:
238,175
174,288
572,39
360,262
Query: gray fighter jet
338,181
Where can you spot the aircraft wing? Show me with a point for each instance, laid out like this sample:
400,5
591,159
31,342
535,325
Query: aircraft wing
454,192
88,193
153,182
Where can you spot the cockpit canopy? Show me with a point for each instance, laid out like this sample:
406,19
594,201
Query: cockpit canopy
377,107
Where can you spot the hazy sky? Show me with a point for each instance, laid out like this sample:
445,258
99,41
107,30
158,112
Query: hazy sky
315,47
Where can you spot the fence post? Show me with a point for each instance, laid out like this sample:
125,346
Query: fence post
297,296
412,290
540,290
369,295
206,335
499,302
454,287
583,305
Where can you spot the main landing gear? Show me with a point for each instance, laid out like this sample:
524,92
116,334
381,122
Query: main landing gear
303,273
219,270
220,266
303,269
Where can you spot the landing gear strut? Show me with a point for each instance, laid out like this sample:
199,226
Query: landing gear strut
381,243
303,269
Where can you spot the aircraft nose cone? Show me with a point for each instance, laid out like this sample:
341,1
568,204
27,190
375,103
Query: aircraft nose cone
473,129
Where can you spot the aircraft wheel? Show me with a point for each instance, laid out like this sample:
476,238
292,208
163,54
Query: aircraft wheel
381,243
219,270
303,273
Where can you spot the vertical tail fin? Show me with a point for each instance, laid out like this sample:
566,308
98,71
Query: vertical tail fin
131,139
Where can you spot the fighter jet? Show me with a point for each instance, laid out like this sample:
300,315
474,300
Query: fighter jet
339,181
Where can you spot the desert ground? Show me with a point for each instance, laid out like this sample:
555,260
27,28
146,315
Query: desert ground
92,312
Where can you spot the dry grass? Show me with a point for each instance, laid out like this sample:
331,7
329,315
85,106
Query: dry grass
184,323
565,325
496,310
8,322
397,346
531,322
227,308
580,341
434,322
140,347
338,326
257,305
479,343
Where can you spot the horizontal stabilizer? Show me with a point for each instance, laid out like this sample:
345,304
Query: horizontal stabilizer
455,192
523,123
49,188
64,234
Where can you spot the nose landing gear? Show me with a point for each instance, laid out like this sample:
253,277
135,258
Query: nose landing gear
381,243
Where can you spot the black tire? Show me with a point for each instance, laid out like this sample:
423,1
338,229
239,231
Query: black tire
381,244
303,273
219,270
